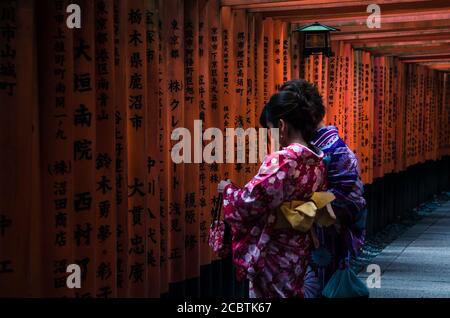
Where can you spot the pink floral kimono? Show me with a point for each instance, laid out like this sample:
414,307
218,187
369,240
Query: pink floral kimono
276,261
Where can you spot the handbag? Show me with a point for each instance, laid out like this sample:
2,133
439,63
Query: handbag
219,232
345,284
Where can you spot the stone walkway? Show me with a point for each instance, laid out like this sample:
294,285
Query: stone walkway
417,264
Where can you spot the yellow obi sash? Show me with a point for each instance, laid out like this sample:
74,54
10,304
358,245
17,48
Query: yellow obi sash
301,215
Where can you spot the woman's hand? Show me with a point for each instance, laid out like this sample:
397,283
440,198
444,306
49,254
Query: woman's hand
222,184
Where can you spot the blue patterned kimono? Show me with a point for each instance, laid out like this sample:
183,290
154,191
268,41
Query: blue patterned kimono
344,181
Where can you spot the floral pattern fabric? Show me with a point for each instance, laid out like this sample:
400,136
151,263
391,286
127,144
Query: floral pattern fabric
217,239
276,261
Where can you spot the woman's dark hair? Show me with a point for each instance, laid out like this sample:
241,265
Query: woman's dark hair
293,108
310,94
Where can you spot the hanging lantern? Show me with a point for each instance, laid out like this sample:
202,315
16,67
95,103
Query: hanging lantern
316,39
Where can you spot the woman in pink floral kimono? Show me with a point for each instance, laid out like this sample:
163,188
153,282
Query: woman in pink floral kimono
277,261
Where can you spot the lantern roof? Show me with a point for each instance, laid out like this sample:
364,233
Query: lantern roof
314,27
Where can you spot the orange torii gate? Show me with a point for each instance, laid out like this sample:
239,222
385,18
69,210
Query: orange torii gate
104,100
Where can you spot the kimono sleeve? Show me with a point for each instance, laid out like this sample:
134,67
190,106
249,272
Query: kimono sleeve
266,191
345,183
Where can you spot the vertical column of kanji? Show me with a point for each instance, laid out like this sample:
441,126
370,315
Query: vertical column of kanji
315,70
408,111
277,54
436,80
351,111
392,120
424,118
443,124
419,106
440,98
294,38
332,82
261,71
164,151
419,111
445,120
427,113
260,67
137,125
339,97
173,37
320,73
442,117
386,98
394,83
84,145
400,116
324,83
384,72
346,97
414,119
364,124
398,113
153,144
433,117
287,52
439,115
378,117
215,111
410,93
306,68
239,105
371,115
252,118
191,113
389,118
121,157
358,98
447,110
227,92
436,114
17,103
357,94
251,145
268,59
360,113
432,121
56,142
206,92
105,212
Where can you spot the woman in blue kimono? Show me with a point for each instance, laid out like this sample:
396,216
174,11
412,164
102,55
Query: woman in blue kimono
346,238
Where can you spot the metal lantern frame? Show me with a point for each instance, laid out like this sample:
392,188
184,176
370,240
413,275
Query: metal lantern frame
316,29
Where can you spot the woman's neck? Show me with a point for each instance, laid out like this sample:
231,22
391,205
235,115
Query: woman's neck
297,140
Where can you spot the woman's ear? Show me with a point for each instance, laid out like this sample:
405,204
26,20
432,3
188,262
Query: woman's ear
283,126
283,131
